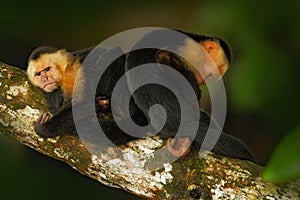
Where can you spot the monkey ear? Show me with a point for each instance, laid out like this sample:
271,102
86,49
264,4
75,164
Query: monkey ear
62,51
167,58
210,46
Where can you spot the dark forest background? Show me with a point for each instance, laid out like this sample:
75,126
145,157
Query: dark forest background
262,84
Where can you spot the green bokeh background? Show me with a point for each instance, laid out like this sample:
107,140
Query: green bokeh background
262,85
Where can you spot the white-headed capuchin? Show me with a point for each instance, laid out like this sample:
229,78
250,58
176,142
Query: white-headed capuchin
55,71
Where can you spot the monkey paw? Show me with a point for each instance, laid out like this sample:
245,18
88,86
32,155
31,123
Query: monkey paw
43,118
102,104
39,125
179,147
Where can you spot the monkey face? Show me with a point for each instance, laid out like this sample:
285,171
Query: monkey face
211,65
217,54
45,73
48,78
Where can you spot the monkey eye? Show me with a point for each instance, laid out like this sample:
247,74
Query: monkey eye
47,69
38,74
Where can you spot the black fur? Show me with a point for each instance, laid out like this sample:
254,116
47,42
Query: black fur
41,50
55,100
82,54
222,43
62,120
155,94
142,100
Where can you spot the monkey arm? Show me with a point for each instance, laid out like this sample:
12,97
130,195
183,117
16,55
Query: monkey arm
60,123
55,100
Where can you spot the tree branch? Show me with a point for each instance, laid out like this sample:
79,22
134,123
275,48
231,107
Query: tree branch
212,177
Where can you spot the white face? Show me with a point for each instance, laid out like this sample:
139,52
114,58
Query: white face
44,73
46,79
207,60
215,63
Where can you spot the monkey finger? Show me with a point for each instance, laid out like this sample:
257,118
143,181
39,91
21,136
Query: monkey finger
46,117
43,118
39,119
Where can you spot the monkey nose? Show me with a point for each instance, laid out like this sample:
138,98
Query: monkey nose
212,76
44,78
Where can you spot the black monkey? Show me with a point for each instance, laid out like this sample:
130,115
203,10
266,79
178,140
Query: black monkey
152,94
55,71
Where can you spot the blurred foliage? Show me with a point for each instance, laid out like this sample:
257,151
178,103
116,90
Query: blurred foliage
285,161
262,84
265,45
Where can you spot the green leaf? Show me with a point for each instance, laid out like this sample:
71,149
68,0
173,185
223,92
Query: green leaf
284,164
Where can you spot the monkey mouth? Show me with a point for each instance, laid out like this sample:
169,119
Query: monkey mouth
207,79
202,83
48,84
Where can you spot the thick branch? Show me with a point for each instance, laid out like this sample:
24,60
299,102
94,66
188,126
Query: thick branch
212,177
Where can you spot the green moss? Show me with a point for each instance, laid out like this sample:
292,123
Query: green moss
186,171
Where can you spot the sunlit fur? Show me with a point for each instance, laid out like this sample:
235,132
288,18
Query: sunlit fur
200,64
218,55
64,69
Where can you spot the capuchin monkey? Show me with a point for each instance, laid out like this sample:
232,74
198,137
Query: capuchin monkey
55,70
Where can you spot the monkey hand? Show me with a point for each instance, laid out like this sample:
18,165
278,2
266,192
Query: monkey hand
179,147
39,125
102,104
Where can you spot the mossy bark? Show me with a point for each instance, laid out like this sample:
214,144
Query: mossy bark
192,177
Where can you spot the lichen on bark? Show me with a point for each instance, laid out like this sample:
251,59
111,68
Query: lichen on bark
126,167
